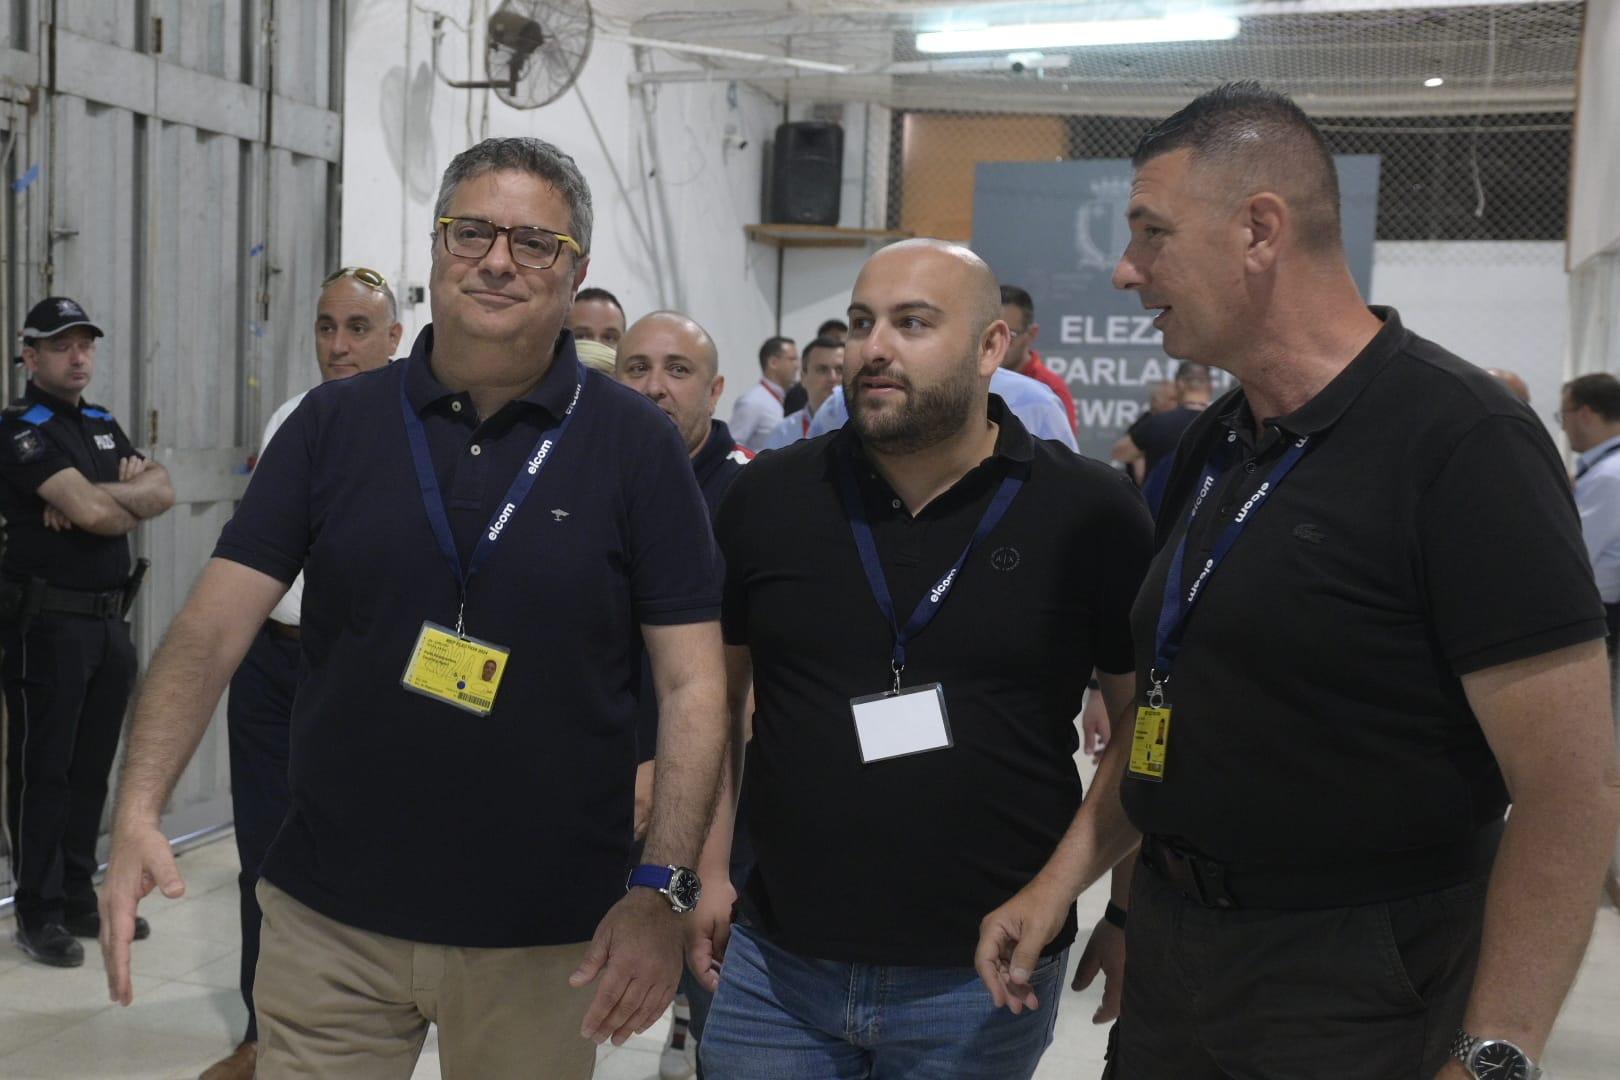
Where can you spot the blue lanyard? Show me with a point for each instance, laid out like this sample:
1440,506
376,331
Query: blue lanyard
1590,465
1179,601
866,545
433,500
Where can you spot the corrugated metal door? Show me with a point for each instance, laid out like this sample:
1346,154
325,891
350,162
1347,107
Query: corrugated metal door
175,168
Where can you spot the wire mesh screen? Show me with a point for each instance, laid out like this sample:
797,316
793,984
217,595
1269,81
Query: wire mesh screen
1481,177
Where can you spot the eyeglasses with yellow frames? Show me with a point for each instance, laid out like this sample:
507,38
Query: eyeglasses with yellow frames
532,246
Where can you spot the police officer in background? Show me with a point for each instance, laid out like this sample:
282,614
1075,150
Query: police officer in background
356,329
72,487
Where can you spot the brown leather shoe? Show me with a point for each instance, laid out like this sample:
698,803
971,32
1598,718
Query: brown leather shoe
239,1066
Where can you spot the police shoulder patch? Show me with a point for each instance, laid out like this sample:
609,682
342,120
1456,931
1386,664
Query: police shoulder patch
26,445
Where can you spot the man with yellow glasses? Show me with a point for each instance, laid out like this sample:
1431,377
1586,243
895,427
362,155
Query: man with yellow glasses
356,329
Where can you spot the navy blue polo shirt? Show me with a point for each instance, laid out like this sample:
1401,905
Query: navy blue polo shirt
412,818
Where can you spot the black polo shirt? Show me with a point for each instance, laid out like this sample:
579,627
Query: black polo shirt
716,465
1318,714
897,861
412,818
39,437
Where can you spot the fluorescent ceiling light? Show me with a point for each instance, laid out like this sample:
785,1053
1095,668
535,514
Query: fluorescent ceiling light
1076,34
1434,82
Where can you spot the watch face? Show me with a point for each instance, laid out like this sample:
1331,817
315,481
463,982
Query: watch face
1501,1061
684,889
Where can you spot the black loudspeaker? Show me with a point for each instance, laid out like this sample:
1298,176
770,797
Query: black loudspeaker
807,173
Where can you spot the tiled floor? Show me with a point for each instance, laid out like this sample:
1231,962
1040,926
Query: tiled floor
57,1024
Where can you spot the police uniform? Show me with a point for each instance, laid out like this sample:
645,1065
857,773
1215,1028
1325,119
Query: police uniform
69,663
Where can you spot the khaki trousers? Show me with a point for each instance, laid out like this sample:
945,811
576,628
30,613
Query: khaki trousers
334,1001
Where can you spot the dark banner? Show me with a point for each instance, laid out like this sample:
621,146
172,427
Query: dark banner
1057,229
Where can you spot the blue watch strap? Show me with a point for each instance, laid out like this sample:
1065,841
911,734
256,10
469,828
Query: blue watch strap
650,877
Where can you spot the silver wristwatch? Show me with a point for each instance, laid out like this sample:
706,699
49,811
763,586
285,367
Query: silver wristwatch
1493,1059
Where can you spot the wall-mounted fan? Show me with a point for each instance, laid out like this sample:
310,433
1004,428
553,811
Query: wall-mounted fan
533,50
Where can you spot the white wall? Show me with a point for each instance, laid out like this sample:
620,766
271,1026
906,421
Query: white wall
672,237
1594,220
1503,305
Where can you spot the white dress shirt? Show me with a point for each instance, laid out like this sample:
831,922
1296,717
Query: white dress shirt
1030,400
1597,497
756,414
289,608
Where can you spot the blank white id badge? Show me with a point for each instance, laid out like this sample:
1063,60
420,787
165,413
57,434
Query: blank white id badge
892,725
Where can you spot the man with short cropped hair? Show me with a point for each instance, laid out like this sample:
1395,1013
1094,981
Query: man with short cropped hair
1590,416
356,330
823,373
833,330
1018,312
759,410
486,498
1369,628
597,316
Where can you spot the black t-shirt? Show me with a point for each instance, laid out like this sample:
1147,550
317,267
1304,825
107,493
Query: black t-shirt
410,817
1156,434
897,861
39,437
1317,710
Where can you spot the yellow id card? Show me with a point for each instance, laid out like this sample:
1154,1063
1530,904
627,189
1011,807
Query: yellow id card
456,670
1149,743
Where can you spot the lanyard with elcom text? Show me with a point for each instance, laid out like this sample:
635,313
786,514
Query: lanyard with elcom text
1150,740
898,723
446,664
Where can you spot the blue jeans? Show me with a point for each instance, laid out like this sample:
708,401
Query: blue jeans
781,1016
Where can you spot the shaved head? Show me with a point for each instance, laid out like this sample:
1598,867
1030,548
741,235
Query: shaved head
669,358
700,346
978,282
925,335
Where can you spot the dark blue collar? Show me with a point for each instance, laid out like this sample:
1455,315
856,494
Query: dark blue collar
714,448
553,392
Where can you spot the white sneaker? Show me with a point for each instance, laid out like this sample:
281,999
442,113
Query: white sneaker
679,1059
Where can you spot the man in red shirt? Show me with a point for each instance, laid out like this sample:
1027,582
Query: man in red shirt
1018,312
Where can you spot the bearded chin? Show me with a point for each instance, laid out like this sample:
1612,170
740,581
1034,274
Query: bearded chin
927,418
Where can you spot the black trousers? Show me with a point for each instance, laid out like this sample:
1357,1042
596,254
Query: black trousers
67,684
1373,992
259,715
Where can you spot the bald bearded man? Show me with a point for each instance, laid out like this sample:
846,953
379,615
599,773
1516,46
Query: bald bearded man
897,724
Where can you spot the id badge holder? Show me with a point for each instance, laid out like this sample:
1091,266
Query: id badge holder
1150,743
455,669
901,722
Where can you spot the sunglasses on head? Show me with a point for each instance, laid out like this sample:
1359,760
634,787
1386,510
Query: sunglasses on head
363,274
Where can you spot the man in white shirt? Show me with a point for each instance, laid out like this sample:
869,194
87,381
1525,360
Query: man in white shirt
757,413
1590,414
1032,402
356,329
823,373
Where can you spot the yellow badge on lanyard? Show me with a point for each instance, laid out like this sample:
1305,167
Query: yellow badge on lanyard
455,669
1150,743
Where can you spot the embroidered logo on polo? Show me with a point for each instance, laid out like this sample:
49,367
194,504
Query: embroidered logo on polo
1005,558
1311,534
558,514
105,442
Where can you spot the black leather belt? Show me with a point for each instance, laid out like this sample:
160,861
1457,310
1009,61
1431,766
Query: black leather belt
99,605
1216,884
